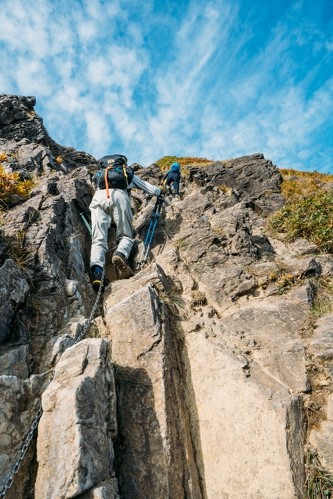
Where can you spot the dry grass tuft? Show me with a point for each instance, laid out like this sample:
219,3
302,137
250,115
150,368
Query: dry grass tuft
184,161
297,185
323,300
15,248
319,482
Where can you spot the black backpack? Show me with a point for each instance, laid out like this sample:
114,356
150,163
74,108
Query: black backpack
115,168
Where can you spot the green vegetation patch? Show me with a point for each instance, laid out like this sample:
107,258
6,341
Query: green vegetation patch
310,218
308,212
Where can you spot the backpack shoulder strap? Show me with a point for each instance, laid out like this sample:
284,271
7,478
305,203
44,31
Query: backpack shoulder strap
125,174
106,181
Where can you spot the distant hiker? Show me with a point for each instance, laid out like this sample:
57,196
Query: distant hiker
172,179
111,203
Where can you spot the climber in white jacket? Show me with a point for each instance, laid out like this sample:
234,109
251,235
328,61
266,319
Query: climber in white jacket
111,203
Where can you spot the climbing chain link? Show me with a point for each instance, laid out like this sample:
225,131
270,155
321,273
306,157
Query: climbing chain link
23,452
34,425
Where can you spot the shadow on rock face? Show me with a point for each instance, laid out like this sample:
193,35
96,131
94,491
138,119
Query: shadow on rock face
139,441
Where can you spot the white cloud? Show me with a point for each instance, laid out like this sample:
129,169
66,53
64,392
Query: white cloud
69,99
329,45
24,27
31,75
99,72
87,30
98,136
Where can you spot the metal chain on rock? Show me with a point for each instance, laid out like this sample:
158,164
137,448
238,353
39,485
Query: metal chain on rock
23,452
34,425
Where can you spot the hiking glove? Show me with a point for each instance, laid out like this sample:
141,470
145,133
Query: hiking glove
163,188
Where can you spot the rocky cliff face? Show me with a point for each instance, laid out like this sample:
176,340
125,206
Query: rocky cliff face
206,375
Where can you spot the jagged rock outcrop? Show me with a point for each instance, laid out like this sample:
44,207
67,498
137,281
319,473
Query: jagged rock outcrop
27,145
158,457
222,379
79,407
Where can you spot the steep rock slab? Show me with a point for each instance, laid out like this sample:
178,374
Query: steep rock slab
246,366
57,243
74,446
242,432
246,376
320,347
154,451
267,332
13,292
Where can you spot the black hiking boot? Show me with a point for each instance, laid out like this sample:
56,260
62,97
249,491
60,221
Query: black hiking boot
96,278
123,270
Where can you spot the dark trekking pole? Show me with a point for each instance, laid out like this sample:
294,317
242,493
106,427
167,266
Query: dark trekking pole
151,230
83,217
86,223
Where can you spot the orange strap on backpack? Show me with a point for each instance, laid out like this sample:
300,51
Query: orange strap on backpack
125,174
106,181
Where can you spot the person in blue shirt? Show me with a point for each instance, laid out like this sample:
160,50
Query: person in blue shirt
172,179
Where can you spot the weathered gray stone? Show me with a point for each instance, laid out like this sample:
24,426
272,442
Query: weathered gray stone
13,292
252,178
157,457
19,404
19,123
74,447
321,439
109,490
241,433
14,361
321,343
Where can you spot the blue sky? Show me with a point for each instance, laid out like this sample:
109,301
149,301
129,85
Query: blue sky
215,78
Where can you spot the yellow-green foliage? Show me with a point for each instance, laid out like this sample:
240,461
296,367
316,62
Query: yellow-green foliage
59,160
10,184
296,185
184,161
308,212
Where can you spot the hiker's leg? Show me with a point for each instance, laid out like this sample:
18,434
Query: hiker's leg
176,187
123,217
100,222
